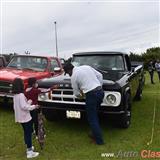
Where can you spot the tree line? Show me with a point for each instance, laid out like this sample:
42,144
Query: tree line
150,54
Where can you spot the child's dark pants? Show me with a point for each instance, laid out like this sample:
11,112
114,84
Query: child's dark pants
34,115
27,127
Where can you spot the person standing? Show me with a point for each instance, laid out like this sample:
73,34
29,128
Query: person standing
22,109
157,66
32,93
88,81
151,71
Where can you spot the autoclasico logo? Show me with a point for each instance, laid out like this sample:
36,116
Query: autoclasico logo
129,154
121,154
150,154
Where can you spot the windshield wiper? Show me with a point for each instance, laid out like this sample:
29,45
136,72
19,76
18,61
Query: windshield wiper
29,69
11,66
100,70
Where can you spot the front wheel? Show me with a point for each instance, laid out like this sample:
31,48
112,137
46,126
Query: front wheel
138,96
125,118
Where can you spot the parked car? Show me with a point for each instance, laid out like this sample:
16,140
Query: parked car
3,62
121,85
135,64
26,66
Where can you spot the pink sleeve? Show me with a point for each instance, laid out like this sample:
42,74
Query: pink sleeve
24,104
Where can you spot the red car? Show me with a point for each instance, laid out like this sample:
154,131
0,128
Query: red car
26,66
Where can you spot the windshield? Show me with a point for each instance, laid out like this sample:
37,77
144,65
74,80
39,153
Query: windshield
100,62
31,63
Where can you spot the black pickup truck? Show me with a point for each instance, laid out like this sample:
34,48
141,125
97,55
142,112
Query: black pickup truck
122,83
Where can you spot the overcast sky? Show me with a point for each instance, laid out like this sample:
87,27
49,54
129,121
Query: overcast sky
81,26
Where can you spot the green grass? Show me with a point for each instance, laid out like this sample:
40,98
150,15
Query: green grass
68,140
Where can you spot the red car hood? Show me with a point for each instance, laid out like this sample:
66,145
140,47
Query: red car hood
8,74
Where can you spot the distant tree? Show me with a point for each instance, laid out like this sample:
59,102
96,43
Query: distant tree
27,52
150,54
135,57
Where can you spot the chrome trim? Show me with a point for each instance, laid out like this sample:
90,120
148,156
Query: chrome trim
116,94
6,95
71,99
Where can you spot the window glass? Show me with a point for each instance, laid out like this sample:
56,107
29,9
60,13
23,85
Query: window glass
54,64
26,62
103,62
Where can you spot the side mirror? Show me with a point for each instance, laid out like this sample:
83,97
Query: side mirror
57,69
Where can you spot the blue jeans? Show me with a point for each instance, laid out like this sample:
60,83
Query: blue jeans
27,128
34,115
93,102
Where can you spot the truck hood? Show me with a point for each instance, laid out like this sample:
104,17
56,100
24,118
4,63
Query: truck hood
113,75
65,82
8,74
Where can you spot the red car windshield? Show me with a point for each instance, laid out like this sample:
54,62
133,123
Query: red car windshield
28,62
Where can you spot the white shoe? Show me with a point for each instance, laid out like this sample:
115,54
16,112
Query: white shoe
31,154
32,148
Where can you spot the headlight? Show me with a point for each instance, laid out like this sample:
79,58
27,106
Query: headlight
42,97
112,99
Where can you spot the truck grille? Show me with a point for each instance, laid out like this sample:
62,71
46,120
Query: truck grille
5,87
65,95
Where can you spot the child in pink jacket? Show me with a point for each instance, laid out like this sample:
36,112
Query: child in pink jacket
22,110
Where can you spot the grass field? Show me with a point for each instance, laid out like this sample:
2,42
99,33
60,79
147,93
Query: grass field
68,140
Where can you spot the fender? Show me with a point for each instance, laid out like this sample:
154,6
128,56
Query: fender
127,90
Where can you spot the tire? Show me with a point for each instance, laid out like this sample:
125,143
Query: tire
51,115
138,96
5,102
125,118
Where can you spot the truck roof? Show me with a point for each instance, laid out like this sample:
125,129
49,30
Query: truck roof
99,53
18,55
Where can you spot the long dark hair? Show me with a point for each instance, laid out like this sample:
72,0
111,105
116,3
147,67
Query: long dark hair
18,86
31,81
